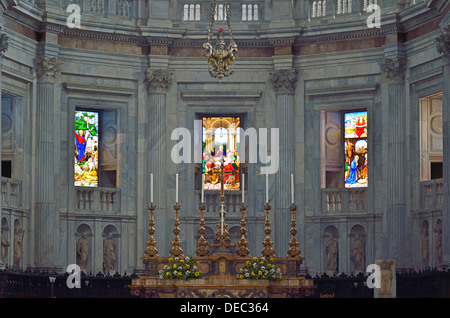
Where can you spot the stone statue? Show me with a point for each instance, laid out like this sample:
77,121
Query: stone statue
439,246
5,245
83,251
425,249
18,244
358,254
109,255
332,251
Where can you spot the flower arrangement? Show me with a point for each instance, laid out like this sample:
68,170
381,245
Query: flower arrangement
179,268
260,268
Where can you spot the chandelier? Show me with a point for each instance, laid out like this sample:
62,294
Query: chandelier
220,55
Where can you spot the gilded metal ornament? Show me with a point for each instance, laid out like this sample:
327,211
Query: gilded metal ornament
243,250
293,243
202,244
176,250
220,55
151,250
267,250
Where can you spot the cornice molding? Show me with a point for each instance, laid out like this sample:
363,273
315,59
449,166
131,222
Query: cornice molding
134,39
109,90
333,91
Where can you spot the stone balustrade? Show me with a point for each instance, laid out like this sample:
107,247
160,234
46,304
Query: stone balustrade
431,194
107,8
11,193
232,201
97,199
344,200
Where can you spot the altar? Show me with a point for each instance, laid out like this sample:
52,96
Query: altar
221,280
222,269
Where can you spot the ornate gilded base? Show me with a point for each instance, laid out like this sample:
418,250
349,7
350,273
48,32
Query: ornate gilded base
220,280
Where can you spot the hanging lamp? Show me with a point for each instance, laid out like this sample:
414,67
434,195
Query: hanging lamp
220,55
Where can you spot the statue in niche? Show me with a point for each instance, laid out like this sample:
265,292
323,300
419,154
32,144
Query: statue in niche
332,251
425,249
83,252
5,245
358,254
18,244
109,255
438,246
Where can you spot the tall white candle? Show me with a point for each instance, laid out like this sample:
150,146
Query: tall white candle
176,187
292,188
151,187
267,188
242,187
203,187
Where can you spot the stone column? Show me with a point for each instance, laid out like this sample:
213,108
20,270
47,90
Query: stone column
443,47
3,49
158,82
395,214
47,216
284,84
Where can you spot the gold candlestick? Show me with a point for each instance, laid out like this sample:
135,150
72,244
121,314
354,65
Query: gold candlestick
293,243
176,250
151,250
202,244
267,251
243,251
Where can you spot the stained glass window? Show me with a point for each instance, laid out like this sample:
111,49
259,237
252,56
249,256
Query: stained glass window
355,145
221,144
86,148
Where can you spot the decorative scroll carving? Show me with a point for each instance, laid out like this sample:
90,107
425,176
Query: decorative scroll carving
395,69
47,68
158,81
284,81
3,43
443,43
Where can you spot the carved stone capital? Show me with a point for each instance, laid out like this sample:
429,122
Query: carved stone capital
394,69
443,43
158,81
3,43
47,68
283,81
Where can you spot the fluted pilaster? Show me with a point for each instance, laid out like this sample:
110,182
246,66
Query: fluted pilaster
158,82
47,217
395,214
443,47
3,49
284,84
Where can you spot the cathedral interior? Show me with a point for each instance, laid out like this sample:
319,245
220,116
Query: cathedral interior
338,107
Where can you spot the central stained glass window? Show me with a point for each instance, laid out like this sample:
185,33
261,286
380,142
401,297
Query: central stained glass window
220,143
